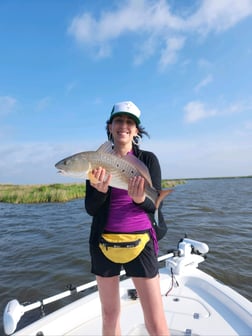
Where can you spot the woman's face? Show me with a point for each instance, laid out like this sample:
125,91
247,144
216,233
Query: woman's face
123,129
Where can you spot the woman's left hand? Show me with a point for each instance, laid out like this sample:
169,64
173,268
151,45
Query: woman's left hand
136,189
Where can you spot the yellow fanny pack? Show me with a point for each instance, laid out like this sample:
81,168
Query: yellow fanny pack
123,247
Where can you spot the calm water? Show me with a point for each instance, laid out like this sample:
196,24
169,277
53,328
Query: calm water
44,247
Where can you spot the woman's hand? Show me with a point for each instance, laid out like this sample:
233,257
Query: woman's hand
99,180
136,189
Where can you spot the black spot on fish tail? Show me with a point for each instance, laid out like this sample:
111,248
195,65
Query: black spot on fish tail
162,195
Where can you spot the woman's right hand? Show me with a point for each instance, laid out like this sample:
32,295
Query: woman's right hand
99,180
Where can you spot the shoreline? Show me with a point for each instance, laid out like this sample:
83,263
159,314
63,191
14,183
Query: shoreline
52,193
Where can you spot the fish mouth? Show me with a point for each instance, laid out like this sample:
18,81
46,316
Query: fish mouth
61,172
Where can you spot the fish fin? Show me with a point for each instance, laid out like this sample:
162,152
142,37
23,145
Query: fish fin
106,147
92,178
162,195
140,166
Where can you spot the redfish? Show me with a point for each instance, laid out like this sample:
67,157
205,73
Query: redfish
121,169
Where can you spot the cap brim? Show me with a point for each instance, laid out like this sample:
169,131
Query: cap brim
132,116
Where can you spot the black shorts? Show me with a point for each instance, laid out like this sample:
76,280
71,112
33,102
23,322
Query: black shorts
143,266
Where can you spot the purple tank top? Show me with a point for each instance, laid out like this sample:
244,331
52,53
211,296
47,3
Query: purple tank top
124,215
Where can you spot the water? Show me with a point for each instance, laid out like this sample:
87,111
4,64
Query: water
44,247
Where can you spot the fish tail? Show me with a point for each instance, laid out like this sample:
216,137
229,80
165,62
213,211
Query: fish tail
162,195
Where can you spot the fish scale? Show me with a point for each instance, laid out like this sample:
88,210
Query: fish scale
121,169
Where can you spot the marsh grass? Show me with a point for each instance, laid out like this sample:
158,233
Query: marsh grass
10,193
44,193
166,184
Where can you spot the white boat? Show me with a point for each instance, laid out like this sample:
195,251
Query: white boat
195,304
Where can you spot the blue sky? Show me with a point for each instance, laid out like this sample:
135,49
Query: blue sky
186,64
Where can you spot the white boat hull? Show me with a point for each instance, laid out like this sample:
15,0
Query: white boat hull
194,302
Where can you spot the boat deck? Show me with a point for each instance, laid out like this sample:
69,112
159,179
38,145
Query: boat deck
198,305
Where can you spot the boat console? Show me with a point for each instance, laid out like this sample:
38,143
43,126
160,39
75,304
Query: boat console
188,254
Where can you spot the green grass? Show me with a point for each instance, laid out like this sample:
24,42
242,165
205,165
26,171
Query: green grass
10,193
44,193
166,184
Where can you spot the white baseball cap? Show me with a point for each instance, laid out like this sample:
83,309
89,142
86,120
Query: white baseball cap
126,107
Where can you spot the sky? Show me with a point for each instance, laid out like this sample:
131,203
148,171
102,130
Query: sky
187,65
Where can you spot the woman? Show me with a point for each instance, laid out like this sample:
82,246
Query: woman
117,210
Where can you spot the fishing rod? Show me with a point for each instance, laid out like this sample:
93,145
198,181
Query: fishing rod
14,310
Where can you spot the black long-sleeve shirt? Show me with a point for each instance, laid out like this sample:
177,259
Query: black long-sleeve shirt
97,203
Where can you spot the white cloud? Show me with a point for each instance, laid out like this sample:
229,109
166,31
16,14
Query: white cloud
155,26
132,16
170,50
244,130
146,50
205,81
204,156
219,15
26,163
248,125
43,103
196,110
7,104
146,19
225,154
204,64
